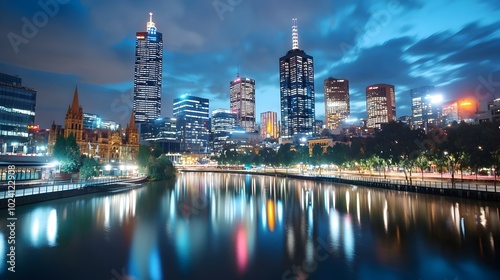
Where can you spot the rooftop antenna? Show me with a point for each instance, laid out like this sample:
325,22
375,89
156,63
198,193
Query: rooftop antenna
150,22
238,73
295,34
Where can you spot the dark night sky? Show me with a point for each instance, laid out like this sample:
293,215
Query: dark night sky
454,45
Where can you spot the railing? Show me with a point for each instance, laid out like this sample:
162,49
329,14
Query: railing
56,186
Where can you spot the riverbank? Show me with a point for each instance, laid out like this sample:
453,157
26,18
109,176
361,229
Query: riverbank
437,188
45,193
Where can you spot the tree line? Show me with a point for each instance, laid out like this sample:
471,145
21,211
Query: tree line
458,147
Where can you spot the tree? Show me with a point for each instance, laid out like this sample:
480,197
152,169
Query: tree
143,156
161,168
317,153
422,162
285,155
89,168
67,152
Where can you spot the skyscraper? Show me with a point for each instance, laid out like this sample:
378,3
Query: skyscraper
425,106
380,104
148,73
269,125
296,90
337,106
242,99
17,112
192,123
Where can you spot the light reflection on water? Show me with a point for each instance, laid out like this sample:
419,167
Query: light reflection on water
242,226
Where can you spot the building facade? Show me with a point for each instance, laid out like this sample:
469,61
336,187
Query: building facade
223,123
17,114
425,107
337,104
192,114
380,105
242,102
459,110
104,144
296,90
148,73
269,125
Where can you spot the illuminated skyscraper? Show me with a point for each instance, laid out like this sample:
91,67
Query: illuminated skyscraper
380,105
242,99
269,125
296,90
148,73
337,106
223,123
192,116
425,106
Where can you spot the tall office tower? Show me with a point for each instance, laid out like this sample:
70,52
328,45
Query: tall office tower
242,99
148,73
380,105
425,106
269,125
337,108
223,123
296,90
192,117
17,112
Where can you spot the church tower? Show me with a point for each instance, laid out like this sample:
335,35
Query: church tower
130,147
73,122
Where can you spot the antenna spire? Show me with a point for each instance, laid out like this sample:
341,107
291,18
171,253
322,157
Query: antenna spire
238,73
150,22
295,34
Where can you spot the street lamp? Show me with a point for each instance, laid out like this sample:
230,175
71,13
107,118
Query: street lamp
14,146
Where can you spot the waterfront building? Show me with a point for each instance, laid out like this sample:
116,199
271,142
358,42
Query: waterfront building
192,114
269,125
242,102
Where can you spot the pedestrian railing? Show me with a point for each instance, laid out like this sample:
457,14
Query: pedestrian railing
55,186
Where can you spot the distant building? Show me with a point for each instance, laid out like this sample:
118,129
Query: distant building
148,73
380,105
425,106
161,132
492,114
223,123
459,110
17,113
296,90
91,121
337,105
192,114
242,101
105,144
269,125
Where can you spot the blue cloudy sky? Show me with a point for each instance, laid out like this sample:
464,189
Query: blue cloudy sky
454,45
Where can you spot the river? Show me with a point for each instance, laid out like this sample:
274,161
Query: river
231,226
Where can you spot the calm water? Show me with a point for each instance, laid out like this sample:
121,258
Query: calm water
220,226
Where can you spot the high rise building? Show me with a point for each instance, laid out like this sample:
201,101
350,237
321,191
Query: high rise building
192,114
337,107
223,123
380,105
460,110
269,125
91,121
162,133
242,101
17,113
296,90
425,106
148,73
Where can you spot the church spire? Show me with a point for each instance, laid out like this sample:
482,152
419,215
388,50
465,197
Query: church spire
131,124
75,105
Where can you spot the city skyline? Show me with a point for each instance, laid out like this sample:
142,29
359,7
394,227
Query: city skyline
90,45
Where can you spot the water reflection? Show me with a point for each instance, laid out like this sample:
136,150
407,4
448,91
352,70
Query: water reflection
234,226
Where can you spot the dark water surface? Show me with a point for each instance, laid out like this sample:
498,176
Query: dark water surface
225,226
